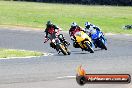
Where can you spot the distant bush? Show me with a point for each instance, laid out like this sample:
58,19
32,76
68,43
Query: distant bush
92,2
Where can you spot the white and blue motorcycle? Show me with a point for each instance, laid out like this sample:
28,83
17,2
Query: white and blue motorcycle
99,40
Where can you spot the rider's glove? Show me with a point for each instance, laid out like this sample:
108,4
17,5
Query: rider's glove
72,38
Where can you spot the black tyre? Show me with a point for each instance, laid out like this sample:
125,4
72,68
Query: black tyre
103,45
63,50
89,47
68,52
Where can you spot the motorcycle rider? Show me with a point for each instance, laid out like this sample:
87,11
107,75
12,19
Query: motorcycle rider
92,29
74,28
51,29
52,32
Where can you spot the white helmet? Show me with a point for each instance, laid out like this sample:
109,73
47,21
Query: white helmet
73,24
87,24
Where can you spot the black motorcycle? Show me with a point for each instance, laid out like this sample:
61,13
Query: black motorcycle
60,44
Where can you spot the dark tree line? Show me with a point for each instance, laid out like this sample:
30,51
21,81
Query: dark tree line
89,2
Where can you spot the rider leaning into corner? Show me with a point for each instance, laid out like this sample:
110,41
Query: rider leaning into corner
92,29
52,32
74,28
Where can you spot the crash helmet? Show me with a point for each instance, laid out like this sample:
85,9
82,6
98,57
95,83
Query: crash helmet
74,24
60,36
87,25
49,23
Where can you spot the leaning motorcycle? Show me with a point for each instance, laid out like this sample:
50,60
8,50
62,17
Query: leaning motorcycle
99,39
58,44
84,41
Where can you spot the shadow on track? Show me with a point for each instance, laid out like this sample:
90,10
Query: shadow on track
75,52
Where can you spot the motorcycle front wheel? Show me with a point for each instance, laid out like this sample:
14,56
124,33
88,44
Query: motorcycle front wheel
103,45
68,52
62,48
89,47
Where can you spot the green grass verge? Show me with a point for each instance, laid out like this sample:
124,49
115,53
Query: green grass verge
109,18
8,53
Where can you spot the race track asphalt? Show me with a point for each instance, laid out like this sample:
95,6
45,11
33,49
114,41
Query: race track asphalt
58,71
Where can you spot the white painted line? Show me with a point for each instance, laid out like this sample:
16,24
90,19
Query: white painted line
19,57
110,34
127,34
45,54
48,54
65,77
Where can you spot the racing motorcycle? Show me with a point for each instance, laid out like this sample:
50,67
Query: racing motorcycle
99,40
84,41
59,44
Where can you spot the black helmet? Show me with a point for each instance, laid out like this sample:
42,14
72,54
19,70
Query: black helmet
49,23
87,25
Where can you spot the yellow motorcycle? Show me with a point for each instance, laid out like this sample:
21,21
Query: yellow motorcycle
84,41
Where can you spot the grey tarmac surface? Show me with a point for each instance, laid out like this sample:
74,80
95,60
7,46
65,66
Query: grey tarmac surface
58,71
